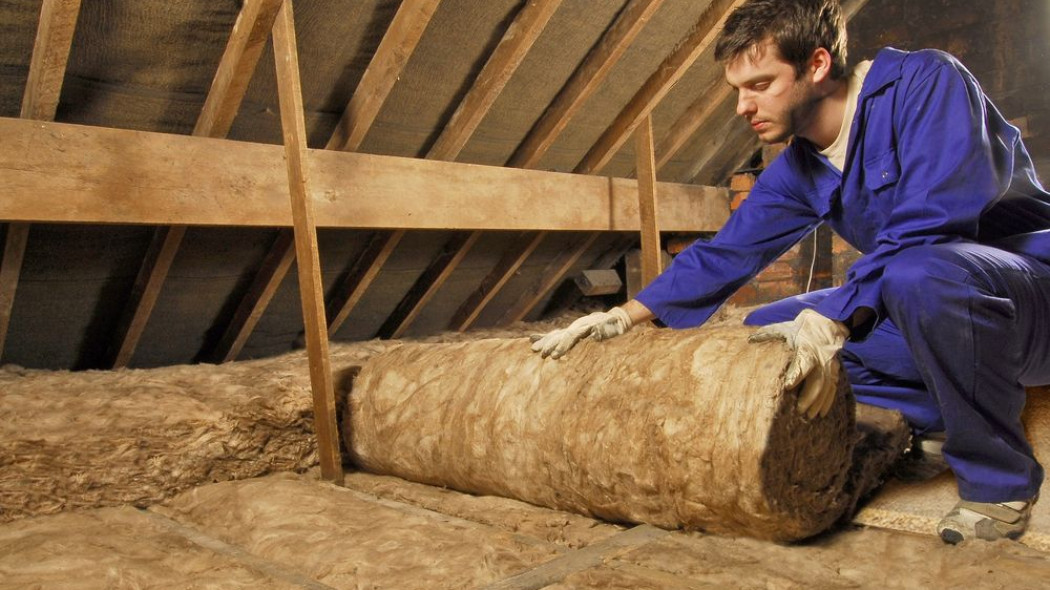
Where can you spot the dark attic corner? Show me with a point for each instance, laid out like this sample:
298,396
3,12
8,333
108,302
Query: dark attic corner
353,294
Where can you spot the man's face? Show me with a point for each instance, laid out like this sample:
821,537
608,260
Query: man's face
774,101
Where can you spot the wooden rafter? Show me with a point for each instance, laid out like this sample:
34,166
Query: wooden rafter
584,82
10,267
563,299
276,264
397,46
493,78
501,65
311,290
657,86
427,285
391,56
47,70
580,86
699,114
361,276
552,277
250,33
520,249
694,117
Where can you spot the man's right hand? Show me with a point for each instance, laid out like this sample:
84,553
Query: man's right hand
600,325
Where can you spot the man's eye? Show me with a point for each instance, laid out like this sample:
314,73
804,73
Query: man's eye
761,86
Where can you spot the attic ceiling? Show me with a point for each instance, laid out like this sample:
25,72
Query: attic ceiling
149,66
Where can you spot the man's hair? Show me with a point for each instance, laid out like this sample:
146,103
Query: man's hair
796,27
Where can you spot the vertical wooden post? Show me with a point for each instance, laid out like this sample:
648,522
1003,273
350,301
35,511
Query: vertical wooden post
643,149
293,126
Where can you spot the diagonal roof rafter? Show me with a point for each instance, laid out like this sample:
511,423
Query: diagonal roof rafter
394,50
519,38
587,78
247,40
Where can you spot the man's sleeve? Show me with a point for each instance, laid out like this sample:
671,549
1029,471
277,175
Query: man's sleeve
947,175
705,274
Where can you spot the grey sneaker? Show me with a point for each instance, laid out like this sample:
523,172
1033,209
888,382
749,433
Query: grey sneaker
987,521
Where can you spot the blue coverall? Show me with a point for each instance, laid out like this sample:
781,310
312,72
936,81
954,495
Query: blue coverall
940,195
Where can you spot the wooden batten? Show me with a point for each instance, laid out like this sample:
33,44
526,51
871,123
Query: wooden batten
657,86
61,173
311,290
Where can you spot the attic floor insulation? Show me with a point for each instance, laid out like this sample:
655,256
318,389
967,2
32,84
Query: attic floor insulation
165,478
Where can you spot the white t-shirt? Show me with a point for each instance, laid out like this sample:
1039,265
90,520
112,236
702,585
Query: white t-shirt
836,152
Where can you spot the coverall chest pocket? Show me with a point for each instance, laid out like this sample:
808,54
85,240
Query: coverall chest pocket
882,171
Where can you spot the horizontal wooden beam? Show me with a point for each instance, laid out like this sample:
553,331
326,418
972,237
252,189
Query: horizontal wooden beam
61,173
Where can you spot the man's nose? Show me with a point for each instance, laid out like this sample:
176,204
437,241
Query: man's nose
745,104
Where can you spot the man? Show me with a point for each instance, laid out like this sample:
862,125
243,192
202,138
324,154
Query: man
944,316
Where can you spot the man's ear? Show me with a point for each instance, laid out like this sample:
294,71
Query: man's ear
820,65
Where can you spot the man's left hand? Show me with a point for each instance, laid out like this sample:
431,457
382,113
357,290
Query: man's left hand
816,340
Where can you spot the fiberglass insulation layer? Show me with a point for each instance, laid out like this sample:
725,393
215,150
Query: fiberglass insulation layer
679,429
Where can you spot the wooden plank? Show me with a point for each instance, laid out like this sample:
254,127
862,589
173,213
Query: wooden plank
293,127
144,293
505,59
250,32
593,555
552,277
652,263
658,85
584,82
264,285
427,285
519,250
394,51
60,173
361,276
10,268
47,70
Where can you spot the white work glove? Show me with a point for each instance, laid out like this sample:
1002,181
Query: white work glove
600,325
816,341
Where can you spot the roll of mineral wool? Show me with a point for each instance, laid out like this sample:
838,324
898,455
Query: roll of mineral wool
676,428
